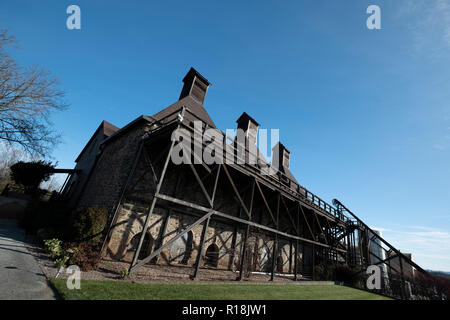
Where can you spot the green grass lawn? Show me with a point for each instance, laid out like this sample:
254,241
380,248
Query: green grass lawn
118,290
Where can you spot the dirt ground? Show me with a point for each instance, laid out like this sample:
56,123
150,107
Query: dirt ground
111,270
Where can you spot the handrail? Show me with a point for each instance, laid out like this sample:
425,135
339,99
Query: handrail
291,185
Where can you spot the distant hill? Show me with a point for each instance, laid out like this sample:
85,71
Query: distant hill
443,274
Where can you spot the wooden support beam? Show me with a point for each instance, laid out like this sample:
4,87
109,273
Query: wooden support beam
200,182
149,163
236,192
245,222
320,227
122,195
275,243
244,249
170,242
200,248
266,203
233,249
163,232
290,256
152,206
247,230
313,262
296,260
215,185
289,215
307,223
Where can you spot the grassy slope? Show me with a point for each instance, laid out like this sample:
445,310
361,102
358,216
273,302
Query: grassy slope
106,290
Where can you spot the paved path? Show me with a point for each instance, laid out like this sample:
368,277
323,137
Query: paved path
21,277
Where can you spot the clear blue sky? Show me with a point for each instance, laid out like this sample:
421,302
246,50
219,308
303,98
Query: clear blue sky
365,113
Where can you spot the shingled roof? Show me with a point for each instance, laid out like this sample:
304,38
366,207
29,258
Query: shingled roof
189,103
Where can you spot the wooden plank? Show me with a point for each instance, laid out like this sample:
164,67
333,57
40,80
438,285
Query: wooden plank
243,221
265,202
236,191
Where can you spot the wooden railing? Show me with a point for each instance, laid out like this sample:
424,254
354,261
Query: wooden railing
280,179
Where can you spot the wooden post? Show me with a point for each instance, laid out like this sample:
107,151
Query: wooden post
200,248
152,206
275,243
313,262
247,230
290,256
244,248
119,204
402,286
296,260
233,249
162,232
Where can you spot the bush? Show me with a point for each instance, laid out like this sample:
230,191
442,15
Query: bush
350,276
31,174
54,248
85,255
324,272
89,223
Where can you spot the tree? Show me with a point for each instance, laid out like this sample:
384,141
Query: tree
31,174
8,156
27,97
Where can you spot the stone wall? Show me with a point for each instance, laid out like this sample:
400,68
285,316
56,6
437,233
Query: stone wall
184,251
112,169
227,238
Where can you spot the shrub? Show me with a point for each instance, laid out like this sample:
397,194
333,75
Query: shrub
89,223
124,273
350,276
61,261
54,248
324,272
31,174
85,255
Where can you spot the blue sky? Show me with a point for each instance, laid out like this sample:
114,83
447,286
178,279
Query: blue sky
365,113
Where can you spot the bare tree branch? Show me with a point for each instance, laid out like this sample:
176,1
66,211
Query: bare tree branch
27,98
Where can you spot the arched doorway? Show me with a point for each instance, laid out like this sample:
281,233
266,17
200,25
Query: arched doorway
212,256
147,245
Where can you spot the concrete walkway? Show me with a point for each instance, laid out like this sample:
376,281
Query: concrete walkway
20,276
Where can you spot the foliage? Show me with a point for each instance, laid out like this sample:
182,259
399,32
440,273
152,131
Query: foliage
61,261
85,255
431,286
89,223
54,248
324,272
124,273
31,174
8,156
342,273
27,98
351,276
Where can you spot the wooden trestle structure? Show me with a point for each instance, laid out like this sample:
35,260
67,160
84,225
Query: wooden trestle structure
331,234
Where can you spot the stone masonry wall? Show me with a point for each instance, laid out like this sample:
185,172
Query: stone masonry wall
111,171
